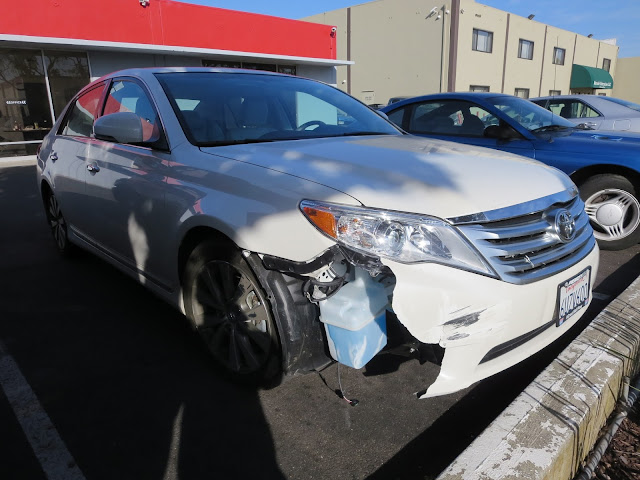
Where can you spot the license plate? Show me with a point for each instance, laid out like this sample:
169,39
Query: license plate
573,295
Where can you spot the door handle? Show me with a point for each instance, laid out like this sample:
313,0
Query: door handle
93,168
53,157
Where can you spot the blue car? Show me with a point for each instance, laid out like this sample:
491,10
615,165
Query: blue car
604,165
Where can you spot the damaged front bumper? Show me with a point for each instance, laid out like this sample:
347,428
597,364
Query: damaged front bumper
485,325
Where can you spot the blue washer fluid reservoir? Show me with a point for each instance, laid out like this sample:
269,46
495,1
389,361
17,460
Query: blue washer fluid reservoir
355,320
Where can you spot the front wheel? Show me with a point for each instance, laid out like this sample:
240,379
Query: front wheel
232,314
614,210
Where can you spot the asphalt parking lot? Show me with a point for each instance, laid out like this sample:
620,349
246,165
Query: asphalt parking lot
125,390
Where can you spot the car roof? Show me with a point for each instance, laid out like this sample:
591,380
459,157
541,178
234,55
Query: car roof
472,96
147,71
606,105
568,97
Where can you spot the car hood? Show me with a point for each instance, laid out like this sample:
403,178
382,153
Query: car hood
589,141
406,173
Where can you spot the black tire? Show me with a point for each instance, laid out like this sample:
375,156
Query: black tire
57,225
611,201
231,312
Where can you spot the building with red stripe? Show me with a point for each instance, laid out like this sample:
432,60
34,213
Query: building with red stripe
49,49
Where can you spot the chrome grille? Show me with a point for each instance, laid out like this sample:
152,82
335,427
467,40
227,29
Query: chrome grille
526,248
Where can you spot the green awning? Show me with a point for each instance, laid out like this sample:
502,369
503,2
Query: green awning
590,77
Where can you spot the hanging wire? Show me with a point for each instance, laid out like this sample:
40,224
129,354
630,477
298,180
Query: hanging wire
341,394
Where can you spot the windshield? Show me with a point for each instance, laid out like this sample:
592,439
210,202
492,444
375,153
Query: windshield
222,108
531,116
619,101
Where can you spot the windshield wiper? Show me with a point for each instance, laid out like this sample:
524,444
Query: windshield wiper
361,134
224,143
550,128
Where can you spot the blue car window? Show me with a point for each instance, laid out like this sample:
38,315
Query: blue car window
450,117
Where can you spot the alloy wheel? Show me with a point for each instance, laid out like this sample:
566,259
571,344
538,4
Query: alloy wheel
232,317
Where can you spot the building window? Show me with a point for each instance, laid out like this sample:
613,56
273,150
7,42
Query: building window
606,64
522,92
482,41
269,67
525,49
558,55
288,69
32,81
554,93
478,88
68,72
221,64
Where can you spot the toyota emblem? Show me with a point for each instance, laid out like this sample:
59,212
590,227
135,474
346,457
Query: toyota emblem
565,226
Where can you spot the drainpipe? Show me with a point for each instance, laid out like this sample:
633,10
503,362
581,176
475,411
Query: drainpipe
627,401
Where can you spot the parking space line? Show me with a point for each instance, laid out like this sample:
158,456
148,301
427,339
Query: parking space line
49,448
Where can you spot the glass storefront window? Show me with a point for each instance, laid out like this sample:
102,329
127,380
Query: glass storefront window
68,72
221,64
25,102
25,115
269,67
288,69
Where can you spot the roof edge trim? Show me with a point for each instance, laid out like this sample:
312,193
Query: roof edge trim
150,48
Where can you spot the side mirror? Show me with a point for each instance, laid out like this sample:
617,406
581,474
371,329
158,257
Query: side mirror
501,132
121,127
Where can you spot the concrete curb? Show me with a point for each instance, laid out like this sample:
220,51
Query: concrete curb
550,428
17,161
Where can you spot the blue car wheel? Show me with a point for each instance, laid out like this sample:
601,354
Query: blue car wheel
613,208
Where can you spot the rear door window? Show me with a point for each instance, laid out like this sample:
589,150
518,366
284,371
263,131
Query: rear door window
572,109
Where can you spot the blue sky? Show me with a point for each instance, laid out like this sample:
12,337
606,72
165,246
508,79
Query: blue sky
618,19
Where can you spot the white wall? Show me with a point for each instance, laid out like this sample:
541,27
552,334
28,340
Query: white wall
324,74
103,62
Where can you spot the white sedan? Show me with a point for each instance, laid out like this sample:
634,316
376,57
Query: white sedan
291,238
595,112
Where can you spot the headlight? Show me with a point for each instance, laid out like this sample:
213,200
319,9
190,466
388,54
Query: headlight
402,237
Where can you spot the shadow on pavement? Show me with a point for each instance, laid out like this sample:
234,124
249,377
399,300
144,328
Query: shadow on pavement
157,408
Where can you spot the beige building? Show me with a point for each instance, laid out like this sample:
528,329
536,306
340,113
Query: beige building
627,86
413,47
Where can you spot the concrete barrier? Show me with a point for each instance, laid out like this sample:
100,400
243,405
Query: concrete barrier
550,428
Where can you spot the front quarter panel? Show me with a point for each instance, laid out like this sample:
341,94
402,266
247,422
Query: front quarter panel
256,207
602,150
